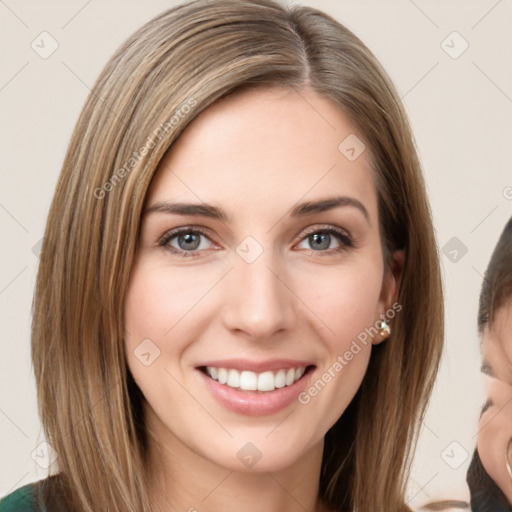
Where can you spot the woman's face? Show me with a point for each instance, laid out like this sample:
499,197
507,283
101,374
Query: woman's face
271,275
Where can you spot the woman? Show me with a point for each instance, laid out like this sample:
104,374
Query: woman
489,476
284,360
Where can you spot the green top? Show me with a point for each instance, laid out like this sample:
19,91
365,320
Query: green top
22,500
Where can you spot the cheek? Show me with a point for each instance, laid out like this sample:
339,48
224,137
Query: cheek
151,312
155,321
346,312
345,300
157,300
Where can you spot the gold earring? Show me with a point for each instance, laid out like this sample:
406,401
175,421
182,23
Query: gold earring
385,330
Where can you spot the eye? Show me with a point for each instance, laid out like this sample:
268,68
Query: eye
184,241
320,239
187,241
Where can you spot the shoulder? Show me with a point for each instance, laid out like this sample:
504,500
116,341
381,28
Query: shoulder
28,498
20,500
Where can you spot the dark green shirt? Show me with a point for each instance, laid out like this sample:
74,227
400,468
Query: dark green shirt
24,499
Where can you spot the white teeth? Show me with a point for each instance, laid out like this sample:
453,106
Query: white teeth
223,375
280,379
251,381
233,379
266,381
248,381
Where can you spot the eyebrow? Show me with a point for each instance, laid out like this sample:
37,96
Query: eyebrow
488,403
301,210
486,368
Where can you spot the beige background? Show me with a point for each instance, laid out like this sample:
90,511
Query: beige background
461,112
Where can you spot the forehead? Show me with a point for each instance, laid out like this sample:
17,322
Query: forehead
279,145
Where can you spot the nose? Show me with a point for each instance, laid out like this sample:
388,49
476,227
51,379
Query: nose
258,301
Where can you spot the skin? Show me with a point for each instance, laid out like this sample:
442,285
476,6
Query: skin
255,154
497,346
495,427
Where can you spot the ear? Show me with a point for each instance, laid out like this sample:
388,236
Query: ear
389,290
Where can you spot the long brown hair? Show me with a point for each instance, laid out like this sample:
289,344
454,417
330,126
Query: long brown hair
158,81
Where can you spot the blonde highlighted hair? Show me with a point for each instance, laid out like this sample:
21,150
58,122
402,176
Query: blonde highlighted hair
195,54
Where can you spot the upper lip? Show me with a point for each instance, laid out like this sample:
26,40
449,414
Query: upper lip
256,366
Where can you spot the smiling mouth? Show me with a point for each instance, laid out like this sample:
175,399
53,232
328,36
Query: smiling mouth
263,382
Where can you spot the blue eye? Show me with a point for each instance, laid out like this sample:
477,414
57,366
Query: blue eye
320,239
186,241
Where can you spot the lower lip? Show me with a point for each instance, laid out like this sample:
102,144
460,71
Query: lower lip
252,403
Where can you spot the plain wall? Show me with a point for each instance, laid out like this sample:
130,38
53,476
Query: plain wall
461,114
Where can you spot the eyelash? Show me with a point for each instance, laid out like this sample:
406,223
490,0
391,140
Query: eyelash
343,237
